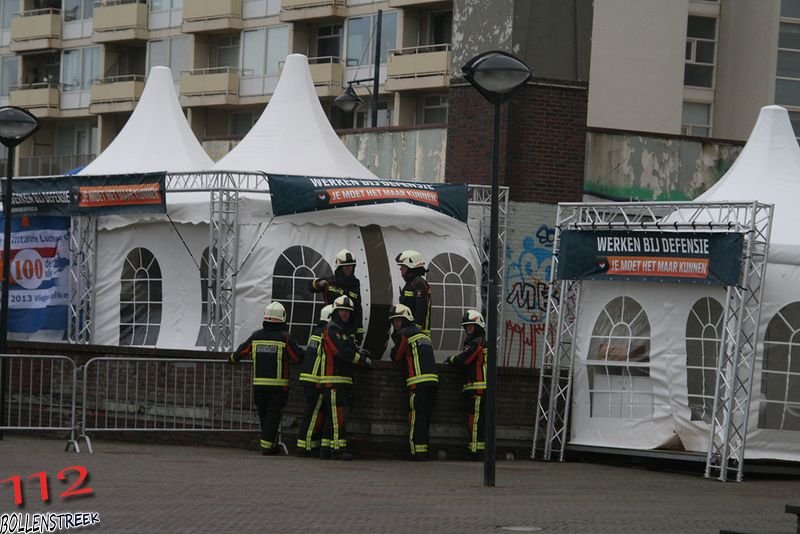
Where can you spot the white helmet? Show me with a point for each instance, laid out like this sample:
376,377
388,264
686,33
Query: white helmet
274,312
410,258
343,303
325,313
401,311
345,257
473,317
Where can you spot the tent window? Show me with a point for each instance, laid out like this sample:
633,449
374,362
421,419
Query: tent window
294,270
453,290
140,299
703,334
618,362
202,336
780,375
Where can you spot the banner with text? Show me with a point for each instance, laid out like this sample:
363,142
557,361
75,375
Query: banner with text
702,258
90,195
297,194
39,283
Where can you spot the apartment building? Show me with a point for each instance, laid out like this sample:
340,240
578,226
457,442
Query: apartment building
80,65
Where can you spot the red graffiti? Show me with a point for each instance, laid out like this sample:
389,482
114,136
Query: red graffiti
524,338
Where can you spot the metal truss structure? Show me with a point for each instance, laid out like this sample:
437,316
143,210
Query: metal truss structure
739,336
224,188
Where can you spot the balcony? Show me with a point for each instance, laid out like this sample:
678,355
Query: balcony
39,29
216,86
211,15
41,99
418,68
119,20
327,75
52,165
418,3
116,94
311,10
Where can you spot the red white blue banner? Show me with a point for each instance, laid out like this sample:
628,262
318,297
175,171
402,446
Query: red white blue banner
39,283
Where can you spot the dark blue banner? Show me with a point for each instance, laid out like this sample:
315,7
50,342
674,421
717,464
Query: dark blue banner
298,194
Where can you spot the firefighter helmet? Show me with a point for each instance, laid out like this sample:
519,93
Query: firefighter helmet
473,317
325,313
345,257
401,311
410,258
343,303
274,312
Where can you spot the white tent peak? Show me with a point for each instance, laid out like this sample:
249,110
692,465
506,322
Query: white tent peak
767,170
293,135
156,137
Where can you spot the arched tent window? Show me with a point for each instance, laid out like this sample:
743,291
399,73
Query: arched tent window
703,335
618,362
453,287
202,335
140,299
294,270
780,373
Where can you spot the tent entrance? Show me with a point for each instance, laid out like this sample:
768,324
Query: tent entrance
735,362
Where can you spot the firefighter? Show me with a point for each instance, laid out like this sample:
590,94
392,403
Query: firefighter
416,293
473,359
414,351
343,283
339,356
271,348
308,435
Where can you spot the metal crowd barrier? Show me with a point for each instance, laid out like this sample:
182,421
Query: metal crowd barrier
135,394
40,393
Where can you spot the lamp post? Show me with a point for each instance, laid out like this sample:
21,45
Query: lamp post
496,75
16,125
349,101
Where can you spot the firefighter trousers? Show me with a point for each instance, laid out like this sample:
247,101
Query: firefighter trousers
270,402
309,433
476,420
421,403
337,410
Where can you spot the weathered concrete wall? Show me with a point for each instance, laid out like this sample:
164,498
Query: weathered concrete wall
529,250
628,166
412,155
479,26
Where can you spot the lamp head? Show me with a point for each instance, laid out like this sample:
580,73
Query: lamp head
496,75
348,101
16,125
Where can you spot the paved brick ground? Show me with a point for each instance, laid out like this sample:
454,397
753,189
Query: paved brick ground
160,488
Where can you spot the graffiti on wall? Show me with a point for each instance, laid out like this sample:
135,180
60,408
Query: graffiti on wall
527,275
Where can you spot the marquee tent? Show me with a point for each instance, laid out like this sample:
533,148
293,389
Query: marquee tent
165,263
665,338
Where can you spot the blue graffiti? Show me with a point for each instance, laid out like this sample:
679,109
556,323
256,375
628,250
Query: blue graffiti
527,275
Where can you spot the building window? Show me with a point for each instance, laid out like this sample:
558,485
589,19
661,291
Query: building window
227,52
79,67
434,109
453,290
9,73
294,270
78,10
780,372
140,299
701,38
441,25
790,9
7,11
172,53
787,82
703,335
329,41
360,46
618,362
263,50
696,119
165,5
240,123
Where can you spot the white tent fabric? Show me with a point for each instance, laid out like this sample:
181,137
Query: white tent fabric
663,406
156,136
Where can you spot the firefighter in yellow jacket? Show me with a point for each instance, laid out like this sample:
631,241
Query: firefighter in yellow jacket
413,350
416,293
308,435
271,348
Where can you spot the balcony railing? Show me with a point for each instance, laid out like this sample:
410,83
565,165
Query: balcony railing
52,165
210,81
122,88
418,67
29,28
119,20
35,95
205,10
293,10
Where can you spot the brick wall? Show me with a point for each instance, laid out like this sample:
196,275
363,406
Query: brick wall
542,140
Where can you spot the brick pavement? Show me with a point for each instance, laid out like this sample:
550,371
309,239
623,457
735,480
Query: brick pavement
161,488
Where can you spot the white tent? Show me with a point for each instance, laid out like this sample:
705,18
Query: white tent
665,399
156,136
278,255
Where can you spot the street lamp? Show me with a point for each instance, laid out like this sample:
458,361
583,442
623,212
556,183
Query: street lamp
349,101
496,75
16,125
